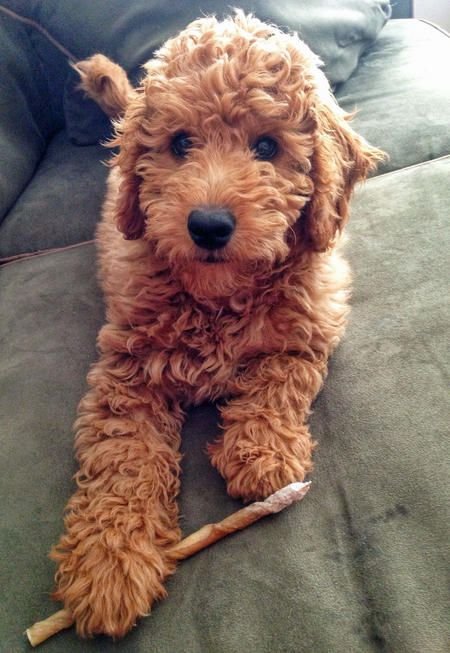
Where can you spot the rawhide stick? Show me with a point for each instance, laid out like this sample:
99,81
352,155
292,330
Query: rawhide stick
211,533
207,535
42,630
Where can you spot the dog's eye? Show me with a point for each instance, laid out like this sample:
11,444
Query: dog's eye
180,144
265,148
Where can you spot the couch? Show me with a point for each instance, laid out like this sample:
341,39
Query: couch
361,565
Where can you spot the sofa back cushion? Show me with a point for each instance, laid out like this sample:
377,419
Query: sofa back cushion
26,120
129,32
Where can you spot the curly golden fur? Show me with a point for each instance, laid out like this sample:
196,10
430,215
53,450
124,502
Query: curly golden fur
252,323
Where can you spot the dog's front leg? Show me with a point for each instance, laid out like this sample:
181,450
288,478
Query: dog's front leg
123,517
266,443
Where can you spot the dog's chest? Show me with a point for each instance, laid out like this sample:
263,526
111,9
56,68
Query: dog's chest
199,353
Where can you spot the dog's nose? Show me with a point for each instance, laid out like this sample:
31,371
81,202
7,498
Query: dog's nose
211,228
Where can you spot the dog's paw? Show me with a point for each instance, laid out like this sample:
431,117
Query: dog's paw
255,472
107,589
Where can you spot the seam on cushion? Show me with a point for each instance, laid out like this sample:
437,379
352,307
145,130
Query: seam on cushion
10,260
410,167
18,258
438,27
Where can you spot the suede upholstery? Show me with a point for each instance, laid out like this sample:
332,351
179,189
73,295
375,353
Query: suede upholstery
400,82
361,564
70,179
24,124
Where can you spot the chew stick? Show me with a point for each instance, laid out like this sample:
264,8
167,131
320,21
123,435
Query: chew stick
207,535
42,630
211,533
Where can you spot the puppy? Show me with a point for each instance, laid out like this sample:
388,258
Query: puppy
222,277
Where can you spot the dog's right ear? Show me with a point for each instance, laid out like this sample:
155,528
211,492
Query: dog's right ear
106,83
130,219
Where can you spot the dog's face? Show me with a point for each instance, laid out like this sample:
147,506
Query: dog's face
233,153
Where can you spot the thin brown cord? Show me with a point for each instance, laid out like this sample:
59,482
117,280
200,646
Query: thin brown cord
42,30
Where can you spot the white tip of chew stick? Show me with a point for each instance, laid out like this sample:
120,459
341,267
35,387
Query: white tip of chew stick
42,630
287,495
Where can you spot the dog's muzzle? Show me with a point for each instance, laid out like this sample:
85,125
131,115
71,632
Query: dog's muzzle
211,228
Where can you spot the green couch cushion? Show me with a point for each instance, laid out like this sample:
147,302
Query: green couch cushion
360,565
61,205
25,119
401,91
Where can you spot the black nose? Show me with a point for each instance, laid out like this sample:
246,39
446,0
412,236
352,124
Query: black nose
211,228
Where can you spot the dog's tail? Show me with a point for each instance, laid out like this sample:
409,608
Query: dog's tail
106,83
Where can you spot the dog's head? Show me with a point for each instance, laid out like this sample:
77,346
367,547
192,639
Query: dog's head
233,153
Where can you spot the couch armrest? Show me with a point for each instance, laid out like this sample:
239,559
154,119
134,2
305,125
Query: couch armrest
25,117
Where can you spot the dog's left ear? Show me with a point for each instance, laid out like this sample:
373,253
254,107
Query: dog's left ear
340,159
